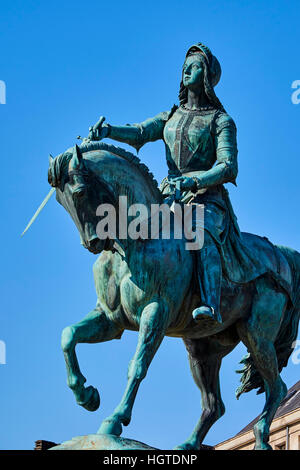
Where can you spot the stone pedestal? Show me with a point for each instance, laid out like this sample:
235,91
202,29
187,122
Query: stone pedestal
101,442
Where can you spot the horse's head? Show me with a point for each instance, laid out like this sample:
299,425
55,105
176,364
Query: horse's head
80,192
95,174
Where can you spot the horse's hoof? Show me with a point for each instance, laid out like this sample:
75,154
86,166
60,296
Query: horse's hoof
186,446
92,399
111,426
263,447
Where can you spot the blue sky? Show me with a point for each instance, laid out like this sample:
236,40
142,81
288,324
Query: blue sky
65,64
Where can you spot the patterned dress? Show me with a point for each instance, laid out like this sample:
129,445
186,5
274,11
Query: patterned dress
195,142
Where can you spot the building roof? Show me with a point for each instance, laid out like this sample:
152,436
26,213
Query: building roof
290,403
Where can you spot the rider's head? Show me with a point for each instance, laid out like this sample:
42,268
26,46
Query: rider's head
201,71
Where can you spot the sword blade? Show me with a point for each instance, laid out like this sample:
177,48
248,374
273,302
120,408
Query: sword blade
39,210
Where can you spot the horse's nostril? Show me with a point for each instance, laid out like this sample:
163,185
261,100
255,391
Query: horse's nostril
92,245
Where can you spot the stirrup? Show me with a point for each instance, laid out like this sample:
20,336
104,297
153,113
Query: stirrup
206,313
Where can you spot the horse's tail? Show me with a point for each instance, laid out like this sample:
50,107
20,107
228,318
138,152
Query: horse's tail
287,334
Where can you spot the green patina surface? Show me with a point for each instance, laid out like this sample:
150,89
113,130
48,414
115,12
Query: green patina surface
238,287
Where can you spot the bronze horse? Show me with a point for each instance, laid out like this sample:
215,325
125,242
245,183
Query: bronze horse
148,286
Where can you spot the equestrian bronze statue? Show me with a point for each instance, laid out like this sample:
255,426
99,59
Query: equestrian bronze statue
235,287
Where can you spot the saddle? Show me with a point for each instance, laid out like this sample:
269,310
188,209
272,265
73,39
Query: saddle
253,256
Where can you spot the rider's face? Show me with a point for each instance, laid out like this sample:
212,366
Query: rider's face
193,72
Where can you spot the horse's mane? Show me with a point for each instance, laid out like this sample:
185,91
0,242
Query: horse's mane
60,163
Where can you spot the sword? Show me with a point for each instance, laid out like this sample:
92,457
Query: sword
39,210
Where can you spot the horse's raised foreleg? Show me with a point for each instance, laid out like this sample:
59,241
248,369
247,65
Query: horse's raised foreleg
94,328
205,356
258,333
153,324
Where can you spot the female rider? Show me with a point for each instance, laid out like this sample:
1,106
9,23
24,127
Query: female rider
201,152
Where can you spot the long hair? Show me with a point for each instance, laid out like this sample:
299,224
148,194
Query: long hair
208,88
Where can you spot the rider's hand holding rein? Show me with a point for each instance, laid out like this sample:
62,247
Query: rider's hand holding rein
188,187
186,183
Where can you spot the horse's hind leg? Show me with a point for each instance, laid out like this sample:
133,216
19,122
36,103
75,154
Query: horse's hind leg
258,333
153,323
205,357
94,328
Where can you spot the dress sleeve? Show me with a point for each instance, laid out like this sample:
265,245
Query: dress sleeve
139,134
226,146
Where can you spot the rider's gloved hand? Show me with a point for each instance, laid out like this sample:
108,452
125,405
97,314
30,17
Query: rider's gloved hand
98,131
186,183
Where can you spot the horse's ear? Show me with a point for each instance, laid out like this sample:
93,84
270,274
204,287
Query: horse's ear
50,159
78,153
